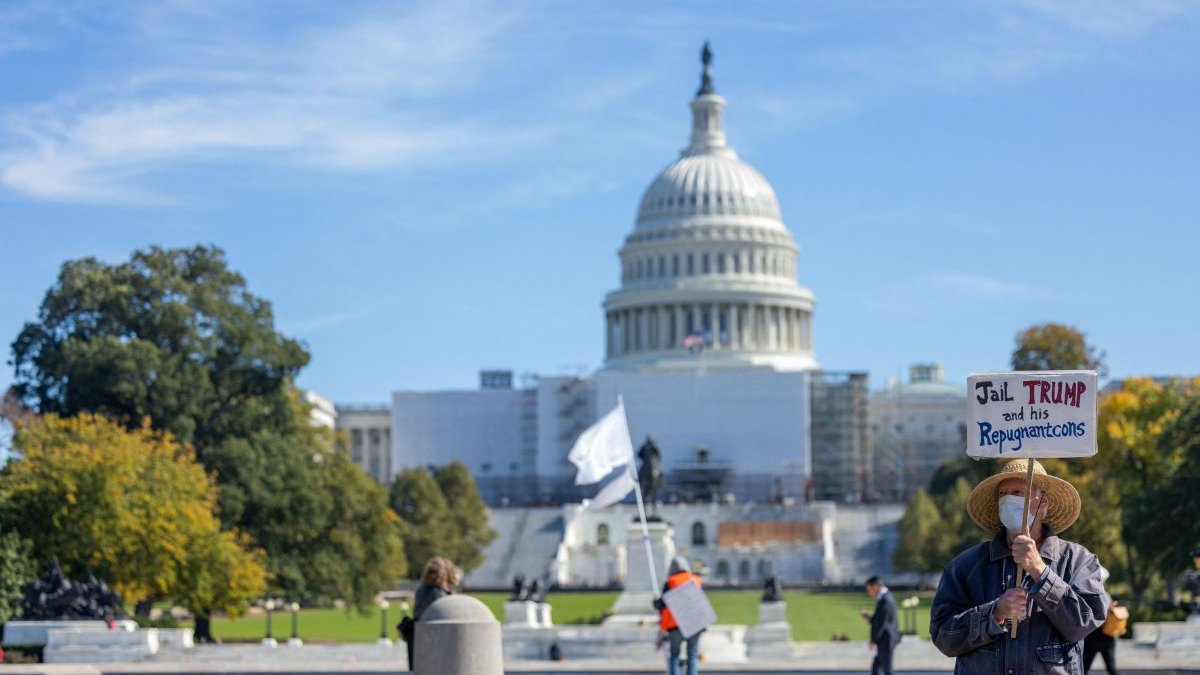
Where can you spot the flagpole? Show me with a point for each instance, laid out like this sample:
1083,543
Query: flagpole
637,487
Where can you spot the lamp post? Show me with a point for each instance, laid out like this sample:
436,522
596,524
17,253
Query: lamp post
295,640
269,640
384,640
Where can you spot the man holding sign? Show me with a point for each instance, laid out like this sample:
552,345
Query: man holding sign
1022,602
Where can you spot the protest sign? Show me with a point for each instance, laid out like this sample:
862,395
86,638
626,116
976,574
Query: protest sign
690,607
1032,414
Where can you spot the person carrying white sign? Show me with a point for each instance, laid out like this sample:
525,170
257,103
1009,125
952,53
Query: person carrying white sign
696,615
1061,600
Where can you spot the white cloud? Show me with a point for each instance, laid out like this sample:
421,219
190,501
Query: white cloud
1006,42
978,287
937,292
326,99
1110,18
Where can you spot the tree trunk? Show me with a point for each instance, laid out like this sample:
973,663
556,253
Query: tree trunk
203,630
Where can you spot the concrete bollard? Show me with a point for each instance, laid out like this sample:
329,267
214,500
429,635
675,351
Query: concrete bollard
458,635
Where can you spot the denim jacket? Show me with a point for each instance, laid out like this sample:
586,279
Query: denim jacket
1068,602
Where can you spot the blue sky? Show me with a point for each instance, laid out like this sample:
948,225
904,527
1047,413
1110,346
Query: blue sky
425,190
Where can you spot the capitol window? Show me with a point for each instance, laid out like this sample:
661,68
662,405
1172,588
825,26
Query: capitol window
675,265
602,534
699,536
720,263
662,266
704,264
691,265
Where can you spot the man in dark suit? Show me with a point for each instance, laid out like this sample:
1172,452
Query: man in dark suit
885,626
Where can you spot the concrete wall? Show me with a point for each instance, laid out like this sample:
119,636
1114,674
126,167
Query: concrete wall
482,429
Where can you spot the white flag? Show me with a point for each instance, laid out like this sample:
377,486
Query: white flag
602,447
614,491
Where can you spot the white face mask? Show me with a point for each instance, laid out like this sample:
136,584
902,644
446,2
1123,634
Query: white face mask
1011,507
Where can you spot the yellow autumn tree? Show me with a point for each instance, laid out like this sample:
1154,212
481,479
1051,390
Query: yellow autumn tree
132,507
1133,460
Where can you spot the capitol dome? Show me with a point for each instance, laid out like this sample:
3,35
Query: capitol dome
708,275
709,184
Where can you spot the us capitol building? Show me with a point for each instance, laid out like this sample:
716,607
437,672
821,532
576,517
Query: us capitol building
709,340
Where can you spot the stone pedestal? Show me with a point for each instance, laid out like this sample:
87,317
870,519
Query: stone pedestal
458,635
38,632
635,604
68,645
771,638
543,615
521,613
177,638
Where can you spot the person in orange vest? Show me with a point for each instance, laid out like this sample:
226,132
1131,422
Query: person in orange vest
677,575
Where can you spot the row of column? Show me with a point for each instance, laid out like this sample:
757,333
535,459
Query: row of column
371,450
744,327
700,264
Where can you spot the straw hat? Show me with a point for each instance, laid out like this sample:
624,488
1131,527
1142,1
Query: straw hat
1062,499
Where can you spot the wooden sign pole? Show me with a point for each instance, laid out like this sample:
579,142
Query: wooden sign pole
1025,531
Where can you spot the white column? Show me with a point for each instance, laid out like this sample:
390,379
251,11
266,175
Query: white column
608,335
696,317
677,338
773,326
626,331
734,335
714,318
784,334
664,327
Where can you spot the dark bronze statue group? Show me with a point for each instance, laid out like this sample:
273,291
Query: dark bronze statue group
532,591
54,596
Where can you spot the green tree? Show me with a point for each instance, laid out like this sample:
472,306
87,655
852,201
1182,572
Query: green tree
962,468
366,536
425,520
16,572
959,532
172,335
132,506
1054,346
468,514
1169,528
920,549
176,337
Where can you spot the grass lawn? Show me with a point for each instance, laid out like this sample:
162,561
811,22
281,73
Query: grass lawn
814,616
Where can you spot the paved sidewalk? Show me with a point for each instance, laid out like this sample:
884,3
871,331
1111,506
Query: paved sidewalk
913,657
